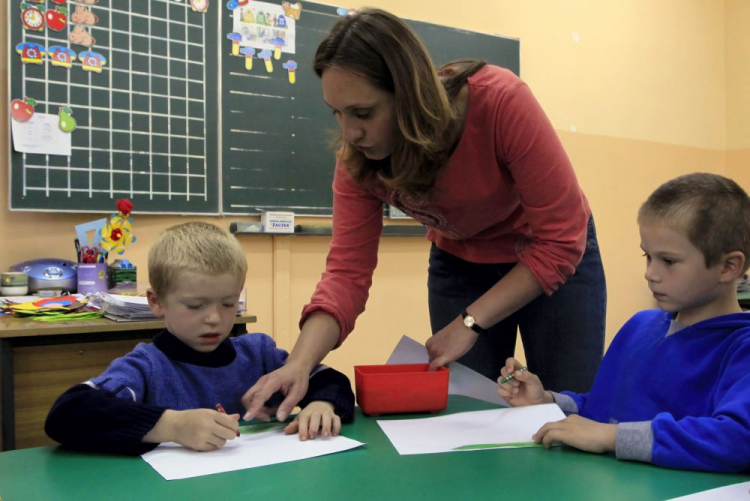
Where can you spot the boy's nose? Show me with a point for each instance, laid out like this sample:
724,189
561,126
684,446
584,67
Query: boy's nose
213,317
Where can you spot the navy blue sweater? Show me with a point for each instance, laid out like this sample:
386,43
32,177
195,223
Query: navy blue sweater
115,410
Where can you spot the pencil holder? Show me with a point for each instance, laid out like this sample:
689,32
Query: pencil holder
92,277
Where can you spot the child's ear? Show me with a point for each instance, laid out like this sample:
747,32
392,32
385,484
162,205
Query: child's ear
155,303
733,266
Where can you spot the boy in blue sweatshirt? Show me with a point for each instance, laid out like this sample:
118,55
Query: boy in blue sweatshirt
168,390
674,386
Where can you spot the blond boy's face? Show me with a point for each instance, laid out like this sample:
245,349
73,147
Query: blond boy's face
199,309
677,274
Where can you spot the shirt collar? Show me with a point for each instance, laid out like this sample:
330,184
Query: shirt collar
176,350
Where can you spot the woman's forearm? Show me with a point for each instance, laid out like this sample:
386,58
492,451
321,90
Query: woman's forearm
319,335
511,293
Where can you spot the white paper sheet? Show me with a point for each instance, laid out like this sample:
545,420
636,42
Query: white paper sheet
735,492
41,134
173,462
463,381
492,429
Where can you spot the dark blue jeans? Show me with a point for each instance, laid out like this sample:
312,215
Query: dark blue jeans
562,334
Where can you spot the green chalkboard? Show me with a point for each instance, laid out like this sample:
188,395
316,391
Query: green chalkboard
178,124
146,124
276,135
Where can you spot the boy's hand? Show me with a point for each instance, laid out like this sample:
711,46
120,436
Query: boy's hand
580,433
524,388
197,429
316,416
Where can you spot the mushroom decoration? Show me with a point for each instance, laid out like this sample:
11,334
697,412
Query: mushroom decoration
278,43
291,66
266,56
235,38
248,52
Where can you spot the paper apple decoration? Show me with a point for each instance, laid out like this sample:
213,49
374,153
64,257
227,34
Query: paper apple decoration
22,110
57,19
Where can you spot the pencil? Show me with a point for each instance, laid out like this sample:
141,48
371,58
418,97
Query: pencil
512,375
221,409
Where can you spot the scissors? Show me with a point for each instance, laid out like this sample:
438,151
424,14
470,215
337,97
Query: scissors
89,254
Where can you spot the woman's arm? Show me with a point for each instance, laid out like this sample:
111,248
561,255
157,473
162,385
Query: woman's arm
320,333
516,289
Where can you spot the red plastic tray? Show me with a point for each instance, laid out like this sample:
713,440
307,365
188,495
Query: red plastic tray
389,389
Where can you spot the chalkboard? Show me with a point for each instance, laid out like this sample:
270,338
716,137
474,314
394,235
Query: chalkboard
177,122
146,124
276,136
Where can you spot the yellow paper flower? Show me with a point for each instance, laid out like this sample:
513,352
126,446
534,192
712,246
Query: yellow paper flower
117,233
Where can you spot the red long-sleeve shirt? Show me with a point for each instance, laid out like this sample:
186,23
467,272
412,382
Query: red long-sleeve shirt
507,194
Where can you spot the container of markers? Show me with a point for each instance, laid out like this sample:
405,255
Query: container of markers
92,277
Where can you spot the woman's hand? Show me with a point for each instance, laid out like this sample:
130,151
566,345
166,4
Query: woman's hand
450,343
291,380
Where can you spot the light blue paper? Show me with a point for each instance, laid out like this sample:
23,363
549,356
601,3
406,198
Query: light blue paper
96,227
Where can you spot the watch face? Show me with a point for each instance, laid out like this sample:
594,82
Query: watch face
469,321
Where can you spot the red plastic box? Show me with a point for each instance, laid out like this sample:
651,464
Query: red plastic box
389,389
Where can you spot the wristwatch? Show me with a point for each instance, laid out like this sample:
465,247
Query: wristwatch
471,323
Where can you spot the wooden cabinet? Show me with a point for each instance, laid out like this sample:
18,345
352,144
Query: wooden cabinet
42,373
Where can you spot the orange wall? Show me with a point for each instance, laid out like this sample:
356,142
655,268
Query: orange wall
639,91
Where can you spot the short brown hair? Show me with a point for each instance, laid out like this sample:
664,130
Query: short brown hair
197,247
712,210
384,50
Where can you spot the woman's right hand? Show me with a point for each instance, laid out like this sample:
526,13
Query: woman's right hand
291,380
524,389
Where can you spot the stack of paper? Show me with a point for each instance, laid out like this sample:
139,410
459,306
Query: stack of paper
121,308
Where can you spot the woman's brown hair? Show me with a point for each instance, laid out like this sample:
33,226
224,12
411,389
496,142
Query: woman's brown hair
384,50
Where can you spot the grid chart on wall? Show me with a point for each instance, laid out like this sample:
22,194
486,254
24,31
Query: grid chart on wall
147,125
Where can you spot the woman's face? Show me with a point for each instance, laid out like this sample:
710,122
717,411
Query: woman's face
366,114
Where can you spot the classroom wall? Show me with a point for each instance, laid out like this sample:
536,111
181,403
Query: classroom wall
639,92
738,90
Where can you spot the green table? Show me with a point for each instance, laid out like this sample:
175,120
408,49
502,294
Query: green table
374,471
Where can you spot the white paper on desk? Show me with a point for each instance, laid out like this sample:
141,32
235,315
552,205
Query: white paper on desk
41,134
463,381
511,427
173,462
735,492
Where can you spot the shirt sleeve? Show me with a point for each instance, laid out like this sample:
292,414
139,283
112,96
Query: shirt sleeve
329,385
556,210
89,419
719,441
107,413
345,285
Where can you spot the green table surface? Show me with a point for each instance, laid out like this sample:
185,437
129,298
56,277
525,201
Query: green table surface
375,471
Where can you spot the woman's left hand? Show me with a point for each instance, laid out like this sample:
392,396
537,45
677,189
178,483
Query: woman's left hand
450,343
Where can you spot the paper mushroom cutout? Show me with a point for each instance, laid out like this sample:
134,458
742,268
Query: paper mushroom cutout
291,66
235,38
248,52
266,56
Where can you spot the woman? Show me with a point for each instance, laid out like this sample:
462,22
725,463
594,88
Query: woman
468,152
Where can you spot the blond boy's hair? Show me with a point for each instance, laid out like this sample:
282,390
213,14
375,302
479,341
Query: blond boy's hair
198,247
711,210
